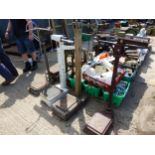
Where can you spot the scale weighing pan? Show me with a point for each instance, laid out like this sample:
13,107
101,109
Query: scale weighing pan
52,94
98,125
67,106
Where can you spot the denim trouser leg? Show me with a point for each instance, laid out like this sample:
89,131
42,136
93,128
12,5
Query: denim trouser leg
5,73
7,62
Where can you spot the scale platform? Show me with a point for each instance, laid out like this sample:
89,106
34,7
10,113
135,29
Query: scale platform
37,87
98,125
67,106
52,94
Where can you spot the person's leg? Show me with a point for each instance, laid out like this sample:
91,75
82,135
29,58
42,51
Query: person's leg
4,72
34,56
23,50
31,49
25,57
7,62
34,63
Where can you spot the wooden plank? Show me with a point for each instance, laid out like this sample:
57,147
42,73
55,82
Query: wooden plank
65,27
53,25
61,26
77,38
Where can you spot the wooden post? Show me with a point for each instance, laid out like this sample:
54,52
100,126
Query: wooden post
77,39
113,85
65,27
118,51
53,25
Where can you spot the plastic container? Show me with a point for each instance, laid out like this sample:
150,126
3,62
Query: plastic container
104,55
72,82
91,90
129,79
86,37
124,23
132,31
116,100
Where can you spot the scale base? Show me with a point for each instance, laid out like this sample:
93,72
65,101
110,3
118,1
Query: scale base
67,106
36,89
52,94
98,125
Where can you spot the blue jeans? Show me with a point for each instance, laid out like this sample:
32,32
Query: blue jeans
25,45
7,69
4,72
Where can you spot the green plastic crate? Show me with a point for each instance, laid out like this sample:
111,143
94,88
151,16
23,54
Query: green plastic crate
86,37
87,88
124,23
96,91
116,100
133,31
129,79
91,90
72,82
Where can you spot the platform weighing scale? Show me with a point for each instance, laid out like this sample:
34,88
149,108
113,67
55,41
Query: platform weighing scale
43,36
54,93
101,122
63,104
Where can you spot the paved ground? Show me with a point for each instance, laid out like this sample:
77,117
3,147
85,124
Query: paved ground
22,113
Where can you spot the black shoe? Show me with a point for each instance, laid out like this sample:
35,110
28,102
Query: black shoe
34,66
5,83
15,74
27,67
